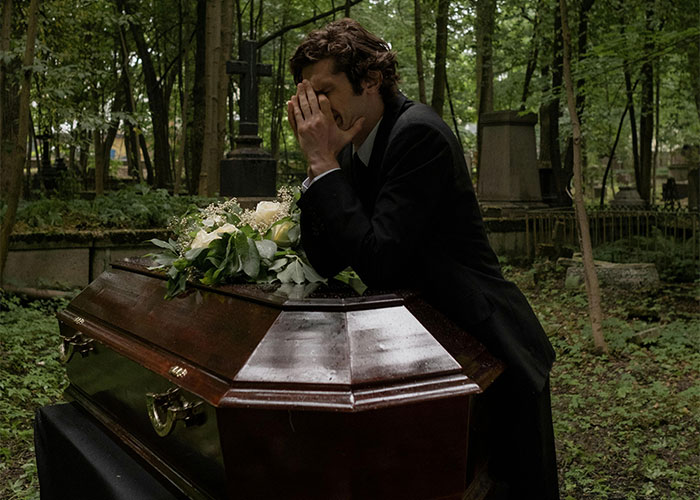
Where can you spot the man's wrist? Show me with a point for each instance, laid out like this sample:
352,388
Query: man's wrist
321,166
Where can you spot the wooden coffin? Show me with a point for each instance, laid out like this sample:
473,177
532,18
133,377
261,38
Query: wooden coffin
264,392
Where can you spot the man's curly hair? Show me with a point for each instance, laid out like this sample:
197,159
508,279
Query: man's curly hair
356,52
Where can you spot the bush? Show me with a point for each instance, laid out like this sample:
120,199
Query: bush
673,258
134,207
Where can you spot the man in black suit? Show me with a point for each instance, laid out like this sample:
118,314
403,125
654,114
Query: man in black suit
388,193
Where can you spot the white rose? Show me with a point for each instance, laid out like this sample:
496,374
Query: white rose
266,211
226,228
280,233
202,239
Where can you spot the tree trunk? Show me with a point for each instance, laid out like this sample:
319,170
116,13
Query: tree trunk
418,30
584,11
279,99
693,68
208,181
196,138
552,112
646,121
103,145
8,103
534,53
157,104
438,100
485,21
183,98
657,141
224,78
611,156
84,152
131,140
590,276
146,155
20,144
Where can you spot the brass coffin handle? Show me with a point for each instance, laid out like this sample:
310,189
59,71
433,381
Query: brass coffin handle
166,408
71,345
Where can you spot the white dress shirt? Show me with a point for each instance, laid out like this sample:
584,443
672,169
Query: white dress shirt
364,153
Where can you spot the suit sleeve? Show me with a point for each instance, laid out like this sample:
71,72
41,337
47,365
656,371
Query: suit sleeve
385,247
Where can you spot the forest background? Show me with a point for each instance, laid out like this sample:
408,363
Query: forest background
151,75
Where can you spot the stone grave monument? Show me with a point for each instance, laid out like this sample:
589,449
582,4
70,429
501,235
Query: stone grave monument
248,170
509,180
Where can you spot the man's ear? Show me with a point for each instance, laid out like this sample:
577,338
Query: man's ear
373,82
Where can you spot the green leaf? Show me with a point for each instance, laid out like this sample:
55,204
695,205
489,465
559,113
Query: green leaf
193,253
294,272
278,264
251,261
310,273
266,249
176,285
168,245
294,234
161,260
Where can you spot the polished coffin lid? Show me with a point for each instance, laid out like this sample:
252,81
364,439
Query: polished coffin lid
282,347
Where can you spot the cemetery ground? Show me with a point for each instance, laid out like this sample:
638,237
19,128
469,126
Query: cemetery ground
626,423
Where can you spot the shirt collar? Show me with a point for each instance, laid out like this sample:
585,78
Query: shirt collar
364,152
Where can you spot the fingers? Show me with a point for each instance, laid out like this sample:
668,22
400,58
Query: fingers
325,106
305,99
311,96
290,117
355,129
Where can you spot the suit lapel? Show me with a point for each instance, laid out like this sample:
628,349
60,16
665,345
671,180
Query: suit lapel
366,179
392,110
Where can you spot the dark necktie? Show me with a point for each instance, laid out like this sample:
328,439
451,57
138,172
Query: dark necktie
365,182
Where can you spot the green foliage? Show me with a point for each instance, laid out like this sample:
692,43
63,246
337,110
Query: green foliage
137,207
30,376
673,257
622,421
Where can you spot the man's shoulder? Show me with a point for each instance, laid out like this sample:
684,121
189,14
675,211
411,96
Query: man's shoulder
418,118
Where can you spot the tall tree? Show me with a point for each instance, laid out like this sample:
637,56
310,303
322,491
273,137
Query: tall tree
208,179
580,94
550,151
590,276
534,54
440,74
13,164
485,21
646,120
196,137
418,30
158,90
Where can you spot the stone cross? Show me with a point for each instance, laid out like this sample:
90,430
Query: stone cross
248,171
250,70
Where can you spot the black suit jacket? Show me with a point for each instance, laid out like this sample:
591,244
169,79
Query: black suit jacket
411,219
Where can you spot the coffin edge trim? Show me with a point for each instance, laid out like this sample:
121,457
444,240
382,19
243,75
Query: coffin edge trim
351,400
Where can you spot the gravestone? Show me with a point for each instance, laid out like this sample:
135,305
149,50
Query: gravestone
627,198
248,170
46,174
631,276
509,179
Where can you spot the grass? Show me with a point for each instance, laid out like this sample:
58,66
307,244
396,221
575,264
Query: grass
626,423
30,376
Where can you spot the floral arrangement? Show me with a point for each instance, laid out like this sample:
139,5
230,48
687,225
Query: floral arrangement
224,243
